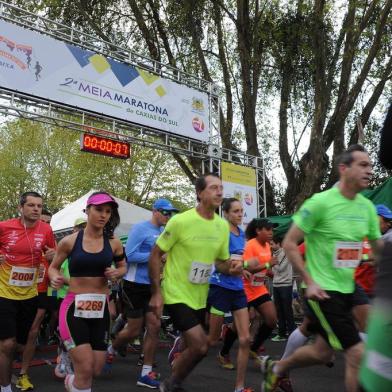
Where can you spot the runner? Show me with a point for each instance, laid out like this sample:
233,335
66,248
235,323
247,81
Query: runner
226,294
84,316
259,235
136,291
22,242
193,241
333,223
376,369
45,304
64,365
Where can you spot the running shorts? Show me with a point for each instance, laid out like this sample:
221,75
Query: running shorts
75,331
184,317
226,300
333,320
359,296
259,300
135,299
17,317
48,303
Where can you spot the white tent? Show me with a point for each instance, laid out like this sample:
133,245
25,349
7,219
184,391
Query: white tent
130,214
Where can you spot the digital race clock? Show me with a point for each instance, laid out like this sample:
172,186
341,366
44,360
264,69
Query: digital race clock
104,146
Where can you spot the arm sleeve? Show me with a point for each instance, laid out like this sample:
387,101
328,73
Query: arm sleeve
170,235
308,216
132,247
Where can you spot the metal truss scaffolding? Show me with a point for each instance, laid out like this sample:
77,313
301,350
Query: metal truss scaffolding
25,106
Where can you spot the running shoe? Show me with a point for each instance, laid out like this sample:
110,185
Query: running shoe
256,357
23,383
285,384
279,338
271,380
140,360
107,369
225,361
175,350
150,380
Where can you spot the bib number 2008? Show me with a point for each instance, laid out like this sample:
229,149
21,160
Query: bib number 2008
199,273
22,277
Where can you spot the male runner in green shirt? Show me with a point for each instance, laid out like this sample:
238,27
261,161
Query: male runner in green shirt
193,241
334,224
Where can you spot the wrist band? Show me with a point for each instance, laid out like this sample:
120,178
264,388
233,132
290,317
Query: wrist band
246,265
267,265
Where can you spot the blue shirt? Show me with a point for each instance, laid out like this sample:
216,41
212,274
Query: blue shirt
141,240
236,247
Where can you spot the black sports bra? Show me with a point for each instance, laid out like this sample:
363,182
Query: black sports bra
85,264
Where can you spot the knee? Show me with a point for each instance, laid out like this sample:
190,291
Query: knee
86,368
325,355
153,327
271,321
199,350
244,341
8,346
354,355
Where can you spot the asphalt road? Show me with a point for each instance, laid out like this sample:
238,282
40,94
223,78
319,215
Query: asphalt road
208,376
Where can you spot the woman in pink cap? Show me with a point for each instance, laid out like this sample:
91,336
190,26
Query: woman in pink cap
84,318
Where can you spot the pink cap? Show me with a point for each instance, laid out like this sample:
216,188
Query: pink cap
101,198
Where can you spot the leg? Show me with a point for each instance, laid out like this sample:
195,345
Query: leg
29,349
99,362
361,314
241,320
268,312
151,338
279,305
287,302
196,348
297,338
129,332
353,357
84,367
215,327
7,350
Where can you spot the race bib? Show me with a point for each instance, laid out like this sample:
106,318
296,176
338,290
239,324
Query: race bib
22,276
347,254
258,279
41,273
89,305
199,273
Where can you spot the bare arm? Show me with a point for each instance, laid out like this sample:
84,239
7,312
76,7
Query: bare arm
62,252
293,237
154,270
121,266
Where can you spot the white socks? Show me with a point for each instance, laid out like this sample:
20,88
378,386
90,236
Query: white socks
111,350
296,340
363,336
146,369
6,388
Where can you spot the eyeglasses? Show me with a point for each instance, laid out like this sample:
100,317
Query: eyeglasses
166,212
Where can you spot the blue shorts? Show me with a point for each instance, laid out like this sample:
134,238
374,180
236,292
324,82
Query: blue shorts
226,300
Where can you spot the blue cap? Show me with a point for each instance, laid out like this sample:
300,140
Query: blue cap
163,204
384,211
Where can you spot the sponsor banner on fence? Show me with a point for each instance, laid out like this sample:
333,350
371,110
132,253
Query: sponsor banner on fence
240,182
42,66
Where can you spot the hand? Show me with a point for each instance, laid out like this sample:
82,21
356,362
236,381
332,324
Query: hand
315,292
49,253
236,267
246,275
164,258
274,261
111,273
57,282
156,305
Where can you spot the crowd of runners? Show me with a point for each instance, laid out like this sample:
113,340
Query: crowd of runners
206,275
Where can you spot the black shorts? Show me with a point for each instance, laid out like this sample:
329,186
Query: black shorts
333,320
359,296
17,317
135,299
75,331
259,300
48,303
184,317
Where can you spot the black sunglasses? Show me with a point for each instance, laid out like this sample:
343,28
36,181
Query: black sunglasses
166,212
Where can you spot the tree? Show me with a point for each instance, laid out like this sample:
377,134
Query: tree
325,71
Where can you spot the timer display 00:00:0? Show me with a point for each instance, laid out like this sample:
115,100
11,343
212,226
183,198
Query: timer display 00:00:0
105,146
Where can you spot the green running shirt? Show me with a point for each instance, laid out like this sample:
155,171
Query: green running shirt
332,222
192,244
